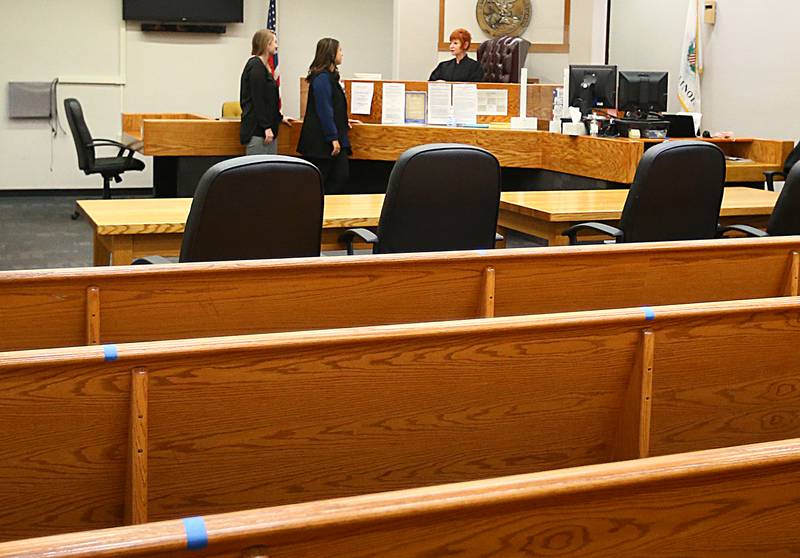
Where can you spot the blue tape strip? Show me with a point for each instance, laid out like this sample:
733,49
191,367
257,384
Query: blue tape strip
110,353
196,534
649,313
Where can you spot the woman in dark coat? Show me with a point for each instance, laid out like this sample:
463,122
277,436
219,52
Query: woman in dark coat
323,139
461,67
260,98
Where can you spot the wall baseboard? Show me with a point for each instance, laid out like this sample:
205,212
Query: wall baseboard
72,192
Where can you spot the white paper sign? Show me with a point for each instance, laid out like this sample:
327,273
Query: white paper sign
439,103
361,97
465,103
492,102
394,103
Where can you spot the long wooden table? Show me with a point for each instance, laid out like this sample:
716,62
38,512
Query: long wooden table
548,214
128,229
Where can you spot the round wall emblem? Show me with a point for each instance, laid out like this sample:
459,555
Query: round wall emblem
504,17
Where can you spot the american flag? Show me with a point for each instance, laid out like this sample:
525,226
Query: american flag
272,25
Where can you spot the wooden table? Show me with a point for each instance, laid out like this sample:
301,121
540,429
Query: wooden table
548,214
128,229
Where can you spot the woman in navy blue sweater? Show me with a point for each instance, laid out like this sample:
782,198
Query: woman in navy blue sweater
323,139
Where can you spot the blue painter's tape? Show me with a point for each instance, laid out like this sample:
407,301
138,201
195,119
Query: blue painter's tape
649,313
196,534
110,352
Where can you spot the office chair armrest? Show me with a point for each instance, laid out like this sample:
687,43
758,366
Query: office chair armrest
151,260
746,229
364,234
770,177
103,142
573,231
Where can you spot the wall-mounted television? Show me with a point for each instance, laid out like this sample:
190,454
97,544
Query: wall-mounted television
183,11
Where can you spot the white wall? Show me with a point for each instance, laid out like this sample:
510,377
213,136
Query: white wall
165,72
416,29
749,86
85,40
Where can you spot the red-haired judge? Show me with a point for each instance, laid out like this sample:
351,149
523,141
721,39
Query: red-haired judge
461,67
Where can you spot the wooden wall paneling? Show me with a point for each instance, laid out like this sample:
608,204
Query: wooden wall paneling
192,138
377,101
610,159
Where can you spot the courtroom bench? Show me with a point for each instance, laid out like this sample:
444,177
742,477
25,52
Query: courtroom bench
70,307
737,501
98,436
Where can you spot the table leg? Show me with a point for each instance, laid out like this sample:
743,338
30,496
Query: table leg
121,250
100,255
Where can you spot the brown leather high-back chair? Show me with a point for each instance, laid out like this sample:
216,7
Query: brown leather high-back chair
503,58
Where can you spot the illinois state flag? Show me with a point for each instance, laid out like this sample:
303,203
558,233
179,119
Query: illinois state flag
691,60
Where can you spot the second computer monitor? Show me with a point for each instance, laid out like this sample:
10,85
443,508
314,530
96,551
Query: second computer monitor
641,93
592,87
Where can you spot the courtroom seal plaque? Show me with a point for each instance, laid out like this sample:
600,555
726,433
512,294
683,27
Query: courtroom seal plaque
504,17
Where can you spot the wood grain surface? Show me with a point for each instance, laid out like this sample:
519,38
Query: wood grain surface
47,308
736,501
237,423
606,205
612,159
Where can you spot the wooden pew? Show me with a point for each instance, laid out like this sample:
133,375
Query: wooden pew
87,306
95,436
738,501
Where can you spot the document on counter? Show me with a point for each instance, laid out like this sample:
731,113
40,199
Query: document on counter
394,103
492,102
465,103
361,94
416,105
439,103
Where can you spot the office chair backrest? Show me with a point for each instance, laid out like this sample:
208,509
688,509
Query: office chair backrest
255,207
676,193
231,109
785,218
440,197
80,134
502,58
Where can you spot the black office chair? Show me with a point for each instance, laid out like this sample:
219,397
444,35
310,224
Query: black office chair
785,218
676,195
254,207
107,167
791,161
439,197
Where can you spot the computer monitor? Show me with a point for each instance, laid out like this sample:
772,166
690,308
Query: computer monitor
641,93
592,87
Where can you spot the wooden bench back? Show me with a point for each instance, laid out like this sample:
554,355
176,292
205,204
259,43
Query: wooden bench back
738,501
59,308
152,431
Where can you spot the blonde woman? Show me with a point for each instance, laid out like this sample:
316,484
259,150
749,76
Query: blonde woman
260,98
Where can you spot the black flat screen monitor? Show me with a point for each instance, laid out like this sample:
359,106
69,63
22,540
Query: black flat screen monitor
592,87
183,11
641,93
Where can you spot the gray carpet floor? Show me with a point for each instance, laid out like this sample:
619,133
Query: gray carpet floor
36,232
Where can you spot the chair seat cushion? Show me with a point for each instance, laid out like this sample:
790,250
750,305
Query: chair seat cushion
116,165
